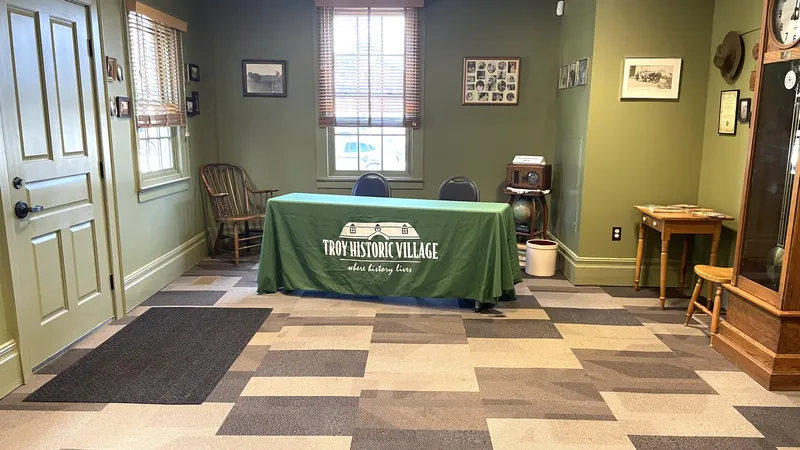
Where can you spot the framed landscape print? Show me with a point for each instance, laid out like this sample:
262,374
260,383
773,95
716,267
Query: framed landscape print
491,81
263,78
651,78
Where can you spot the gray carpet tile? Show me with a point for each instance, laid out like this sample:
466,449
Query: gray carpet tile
249,279
383,439
418,329
291,416
229,387
184,298
515,329
250,358
699,443
566,394
313,363
696,353
592,316
275,322
778,425
65,360
415,410
16,402
330,321
655,314
521,302
646,372
644,292
557,276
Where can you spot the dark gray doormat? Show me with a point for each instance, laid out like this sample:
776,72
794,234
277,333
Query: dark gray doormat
169,356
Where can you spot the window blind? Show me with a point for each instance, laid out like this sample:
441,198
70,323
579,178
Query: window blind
156,54
369,67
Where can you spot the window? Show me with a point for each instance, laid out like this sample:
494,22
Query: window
369,91
156,56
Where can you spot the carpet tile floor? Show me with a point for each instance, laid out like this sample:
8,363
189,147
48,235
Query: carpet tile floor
560,367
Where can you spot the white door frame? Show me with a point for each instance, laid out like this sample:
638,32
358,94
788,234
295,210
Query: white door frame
105,154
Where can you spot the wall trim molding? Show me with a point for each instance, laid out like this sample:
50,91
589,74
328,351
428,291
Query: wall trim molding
10,368
155,275
603,271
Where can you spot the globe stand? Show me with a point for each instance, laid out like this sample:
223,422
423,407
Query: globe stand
532,231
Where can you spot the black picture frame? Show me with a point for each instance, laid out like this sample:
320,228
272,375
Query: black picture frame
722,104
196,101
257,79
192,72
123,107
190,107
744,112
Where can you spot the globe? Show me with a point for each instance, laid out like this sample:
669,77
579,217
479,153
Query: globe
523,208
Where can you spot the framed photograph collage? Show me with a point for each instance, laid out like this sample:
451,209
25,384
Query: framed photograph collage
491,81
574,74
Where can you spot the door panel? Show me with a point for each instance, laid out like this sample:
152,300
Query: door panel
59,255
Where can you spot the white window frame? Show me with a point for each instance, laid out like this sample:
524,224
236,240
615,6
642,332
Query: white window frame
410,179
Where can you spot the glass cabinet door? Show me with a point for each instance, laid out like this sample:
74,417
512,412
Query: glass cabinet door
771,177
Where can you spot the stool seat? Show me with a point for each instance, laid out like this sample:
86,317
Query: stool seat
721,275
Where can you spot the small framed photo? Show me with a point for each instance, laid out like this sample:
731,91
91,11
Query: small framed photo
112,107
120,76
264,78
491,81
728,112
745,106
573,75
192,72
196,102
111,68
651,78
190,107
583,72
123,107
563,77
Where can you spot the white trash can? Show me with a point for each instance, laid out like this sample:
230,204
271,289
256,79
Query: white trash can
540,258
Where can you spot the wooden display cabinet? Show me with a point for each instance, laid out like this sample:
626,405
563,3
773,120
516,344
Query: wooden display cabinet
761,333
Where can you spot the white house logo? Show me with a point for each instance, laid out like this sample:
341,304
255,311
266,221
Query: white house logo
385,247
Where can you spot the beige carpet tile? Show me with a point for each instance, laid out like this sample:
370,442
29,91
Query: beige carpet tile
259,443
741,390
420,367
418,329
414,410
188,284
567,394
577,300
555,434
250,358
322,338
302,387
693,329
607,337
522,353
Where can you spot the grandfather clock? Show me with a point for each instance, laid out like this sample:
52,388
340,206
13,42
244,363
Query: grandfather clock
761,333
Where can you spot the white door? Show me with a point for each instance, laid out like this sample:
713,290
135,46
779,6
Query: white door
58,254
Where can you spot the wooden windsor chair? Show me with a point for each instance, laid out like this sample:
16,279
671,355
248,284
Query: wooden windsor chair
236,204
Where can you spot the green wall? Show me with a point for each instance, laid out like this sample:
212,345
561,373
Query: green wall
642,152
725,157
274,139
577,42
152,229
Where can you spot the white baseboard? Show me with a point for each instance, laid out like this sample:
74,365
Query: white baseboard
10,368
154,276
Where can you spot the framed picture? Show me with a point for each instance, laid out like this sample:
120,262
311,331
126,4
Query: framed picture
196,102
573,75
651,78
112,107
728,112
491,81
190,107
264,78
123,107
192,72
563,77
111,68
583,72
745,106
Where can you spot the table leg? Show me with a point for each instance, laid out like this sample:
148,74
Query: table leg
639,255
546,216
664,265
532,220
714,252
684,259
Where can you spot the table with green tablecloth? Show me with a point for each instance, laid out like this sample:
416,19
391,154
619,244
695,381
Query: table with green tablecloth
389,247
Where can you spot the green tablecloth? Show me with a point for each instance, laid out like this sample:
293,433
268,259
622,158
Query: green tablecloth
389,247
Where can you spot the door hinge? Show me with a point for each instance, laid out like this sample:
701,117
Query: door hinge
111,279
90,48
102,170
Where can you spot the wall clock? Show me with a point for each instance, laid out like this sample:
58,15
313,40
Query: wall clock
784,23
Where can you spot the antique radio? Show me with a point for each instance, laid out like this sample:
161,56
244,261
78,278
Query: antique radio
529,176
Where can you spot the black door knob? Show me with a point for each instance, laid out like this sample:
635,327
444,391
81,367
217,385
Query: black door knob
22,209
18,182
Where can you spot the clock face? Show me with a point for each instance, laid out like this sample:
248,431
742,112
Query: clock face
786,21
533,178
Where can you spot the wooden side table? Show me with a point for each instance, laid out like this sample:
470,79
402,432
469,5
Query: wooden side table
512,197
669,223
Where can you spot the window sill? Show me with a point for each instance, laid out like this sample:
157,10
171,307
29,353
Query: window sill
400,184
164,189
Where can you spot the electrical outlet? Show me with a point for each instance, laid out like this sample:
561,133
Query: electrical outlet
616,233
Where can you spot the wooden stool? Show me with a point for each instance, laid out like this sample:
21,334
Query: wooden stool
718,275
